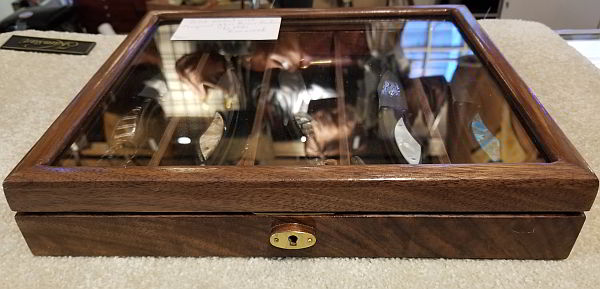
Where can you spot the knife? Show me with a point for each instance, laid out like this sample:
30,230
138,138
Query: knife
211,137
488,142
393,110
468,105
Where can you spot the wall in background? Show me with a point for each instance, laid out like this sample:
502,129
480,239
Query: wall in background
425,2
365,3
557,14
5,8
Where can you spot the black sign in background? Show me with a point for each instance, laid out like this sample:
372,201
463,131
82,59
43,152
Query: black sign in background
48,45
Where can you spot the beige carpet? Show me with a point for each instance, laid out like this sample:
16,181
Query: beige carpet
34,89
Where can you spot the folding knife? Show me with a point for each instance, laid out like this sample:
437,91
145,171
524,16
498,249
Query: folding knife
210,139
488,142
393,110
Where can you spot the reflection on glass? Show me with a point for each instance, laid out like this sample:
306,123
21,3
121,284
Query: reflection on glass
386,92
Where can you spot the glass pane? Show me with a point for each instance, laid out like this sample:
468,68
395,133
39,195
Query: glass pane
445,34
376,92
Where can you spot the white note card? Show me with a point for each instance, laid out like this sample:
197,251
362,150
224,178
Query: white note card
248,28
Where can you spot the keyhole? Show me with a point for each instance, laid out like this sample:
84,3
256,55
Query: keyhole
293,240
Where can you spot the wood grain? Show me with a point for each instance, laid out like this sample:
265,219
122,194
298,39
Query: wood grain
368,188
565,184
429,236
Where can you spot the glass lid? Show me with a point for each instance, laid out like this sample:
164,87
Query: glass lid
372,92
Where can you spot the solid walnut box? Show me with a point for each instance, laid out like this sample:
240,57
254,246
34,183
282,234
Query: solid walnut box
389,132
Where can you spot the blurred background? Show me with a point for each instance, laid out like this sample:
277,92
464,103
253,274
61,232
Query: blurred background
122,15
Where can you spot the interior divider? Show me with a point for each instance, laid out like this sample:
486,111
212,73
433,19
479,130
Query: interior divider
341,101
416,88
165,140
249,155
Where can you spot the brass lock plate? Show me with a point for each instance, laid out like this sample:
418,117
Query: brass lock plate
293,236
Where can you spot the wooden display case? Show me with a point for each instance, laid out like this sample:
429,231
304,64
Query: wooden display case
387,132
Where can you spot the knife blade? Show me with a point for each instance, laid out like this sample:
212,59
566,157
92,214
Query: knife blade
210,139
393,109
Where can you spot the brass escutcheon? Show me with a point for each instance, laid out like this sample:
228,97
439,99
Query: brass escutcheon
293,236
